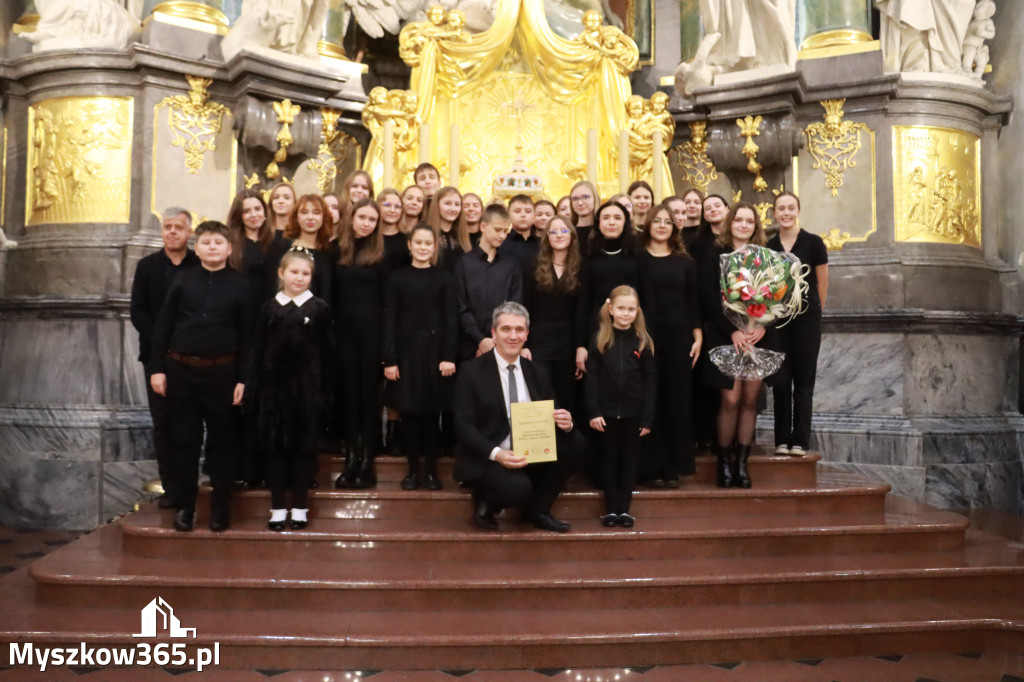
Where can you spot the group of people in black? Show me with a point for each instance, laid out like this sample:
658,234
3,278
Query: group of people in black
428,309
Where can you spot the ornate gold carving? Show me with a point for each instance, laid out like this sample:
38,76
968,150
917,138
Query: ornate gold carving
332,151
750,127
399,107
252,180
286,113
937,178
834,143
692,158
835,240
737,196
646,116
194,121
79,160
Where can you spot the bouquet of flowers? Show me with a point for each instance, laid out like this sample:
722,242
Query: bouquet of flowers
759,287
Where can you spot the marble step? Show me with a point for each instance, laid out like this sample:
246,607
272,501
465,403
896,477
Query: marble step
832,493
92,572
766,470
353,639
903,526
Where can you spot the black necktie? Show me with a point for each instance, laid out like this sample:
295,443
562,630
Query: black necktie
513,389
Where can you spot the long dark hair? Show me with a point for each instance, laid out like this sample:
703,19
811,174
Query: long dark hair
370,250
705,226
544,274
597,238
235,222
758,238
675,241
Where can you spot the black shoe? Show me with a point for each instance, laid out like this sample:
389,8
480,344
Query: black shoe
652,483
739,463
546,521
165,502
672,483
353,462
430,482
483,515
724,455
366,474
610,520
297,525
277,526
626,521
220,520
410,482
185,520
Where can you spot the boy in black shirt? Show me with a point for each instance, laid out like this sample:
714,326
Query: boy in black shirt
198,343
153,277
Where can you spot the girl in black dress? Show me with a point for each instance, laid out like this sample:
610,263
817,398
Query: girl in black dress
420,343
737,414
642,196
583,202
445,216
800,340
396,257
293,350
687,213
674,322
282,206
357,186
357,303
412,208
621,397
550,291
543,212
472,210
333,202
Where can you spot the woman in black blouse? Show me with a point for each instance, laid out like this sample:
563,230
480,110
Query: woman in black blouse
674,323
550,292
800,340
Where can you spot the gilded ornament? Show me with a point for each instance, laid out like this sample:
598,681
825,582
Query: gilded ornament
834,143
750,127
645,117
835,240
399,107
332,151
737,196
79,160
692,158
252,180
286,113
194,121
763,208
937,177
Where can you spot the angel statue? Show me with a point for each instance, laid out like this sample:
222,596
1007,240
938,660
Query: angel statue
289,26
73,24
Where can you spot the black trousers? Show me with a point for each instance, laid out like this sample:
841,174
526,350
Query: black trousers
535,487
290,472
793,389
562,372
421,436
620,449
198,397
668,452
360,376
161,436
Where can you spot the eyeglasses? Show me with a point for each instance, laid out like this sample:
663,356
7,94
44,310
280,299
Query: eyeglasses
388,204
582,197
559,230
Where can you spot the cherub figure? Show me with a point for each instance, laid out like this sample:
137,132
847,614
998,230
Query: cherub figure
981,28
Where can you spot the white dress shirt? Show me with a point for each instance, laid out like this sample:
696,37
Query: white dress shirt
522,392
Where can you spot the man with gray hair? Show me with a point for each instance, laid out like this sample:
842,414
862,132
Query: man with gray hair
484,460
153,277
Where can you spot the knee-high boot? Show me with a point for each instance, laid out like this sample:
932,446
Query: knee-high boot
724,465
742,454
353,463
366,474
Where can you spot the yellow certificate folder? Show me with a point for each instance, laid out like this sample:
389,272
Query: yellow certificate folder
533,430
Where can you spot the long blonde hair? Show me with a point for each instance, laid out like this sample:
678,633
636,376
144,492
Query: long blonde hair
606,328
459,230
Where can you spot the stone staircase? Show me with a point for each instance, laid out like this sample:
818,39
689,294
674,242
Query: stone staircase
808,563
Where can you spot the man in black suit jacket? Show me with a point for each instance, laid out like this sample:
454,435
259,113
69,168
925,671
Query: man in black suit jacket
483,461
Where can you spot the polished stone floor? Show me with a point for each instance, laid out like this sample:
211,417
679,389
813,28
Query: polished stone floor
19,547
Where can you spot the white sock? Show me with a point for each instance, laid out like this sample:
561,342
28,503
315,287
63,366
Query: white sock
278,515
299,514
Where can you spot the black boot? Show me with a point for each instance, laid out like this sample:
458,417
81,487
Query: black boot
352,466
724,465
391,437
366,474
740,475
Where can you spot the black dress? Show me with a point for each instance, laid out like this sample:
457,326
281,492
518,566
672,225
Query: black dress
717,327
449,251
669,452
290,380
420,332
598,277
552,321
396,253
357,305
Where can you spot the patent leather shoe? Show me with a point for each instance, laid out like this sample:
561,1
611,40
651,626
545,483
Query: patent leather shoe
220,520
276,526
184,520
430,482
546,521
483,515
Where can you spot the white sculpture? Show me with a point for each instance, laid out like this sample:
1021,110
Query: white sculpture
377,17
980,29
697,73
74,24
925,35
754,33
478,14
289,26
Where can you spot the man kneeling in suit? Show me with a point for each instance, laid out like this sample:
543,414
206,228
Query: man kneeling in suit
484,461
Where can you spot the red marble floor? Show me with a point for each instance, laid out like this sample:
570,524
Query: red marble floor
19,547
